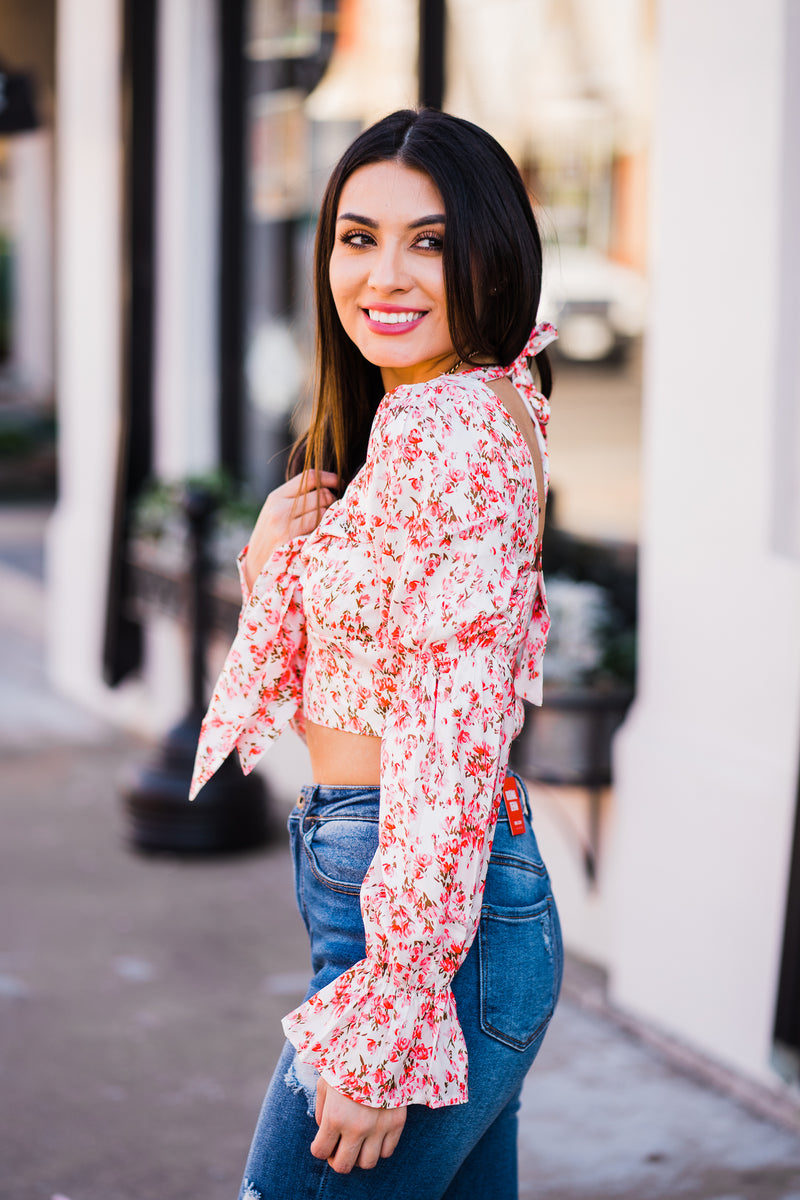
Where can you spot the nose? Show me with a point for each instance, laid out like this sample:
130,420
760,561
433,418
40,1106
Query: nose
388,272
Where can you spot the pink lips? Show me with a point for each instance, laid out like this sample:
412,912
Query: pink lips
398,327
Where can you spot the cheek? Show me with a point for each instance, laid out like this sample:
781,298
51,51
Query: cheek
434,285
342,286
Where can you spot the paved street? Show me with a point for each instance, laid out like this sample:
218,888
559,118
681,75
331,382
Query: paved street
140,997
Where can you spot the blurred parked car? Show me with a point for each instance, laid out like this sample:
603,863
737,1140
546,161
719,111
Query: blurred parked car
597,305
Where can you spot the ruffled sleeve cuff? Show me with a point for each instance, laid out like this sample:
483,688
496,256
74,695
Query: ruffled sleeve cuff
260,686
381,1043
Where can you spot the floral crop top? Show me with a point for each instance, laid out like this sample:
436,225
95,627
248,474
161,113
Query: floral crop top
415,612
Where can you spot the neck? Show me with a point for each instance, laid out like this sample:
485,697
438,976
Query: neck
419,373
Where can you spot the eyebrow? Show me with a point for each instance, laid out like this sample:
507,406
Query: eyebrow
434,219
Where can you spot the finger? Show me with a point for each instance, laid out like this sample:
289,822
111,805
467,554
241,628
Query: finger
310,501
390,1141
346,1156
304,524
306,519
324,1144
311,480
307,503
327,479
371,1152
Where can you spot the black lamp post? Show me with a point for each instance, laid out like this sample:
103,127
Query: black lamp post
230,812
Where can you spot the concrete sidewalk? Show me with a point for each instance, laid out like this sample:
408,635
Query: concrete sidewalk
140,1001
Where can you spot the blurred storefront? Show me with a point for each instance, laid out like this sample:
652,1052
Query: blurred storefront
231,116
194,139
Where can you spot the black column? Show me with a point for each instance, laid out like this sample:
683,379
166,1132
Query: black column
787,1017
231,23
431,53
122,650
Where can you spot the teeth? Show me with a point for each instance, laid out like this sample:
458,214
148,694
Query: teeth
395,318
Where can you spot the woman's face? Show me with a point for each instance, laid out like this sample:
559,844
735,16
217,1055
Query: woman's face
386,272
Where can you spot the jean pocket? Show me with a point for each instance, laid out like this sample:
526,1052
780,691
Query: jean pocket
520,953
339,850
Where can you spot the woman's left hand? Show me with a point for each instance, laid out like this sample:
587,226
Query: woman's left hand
352,1134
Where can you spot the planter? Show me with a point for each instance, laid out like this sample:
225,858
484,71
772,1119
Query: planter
568,740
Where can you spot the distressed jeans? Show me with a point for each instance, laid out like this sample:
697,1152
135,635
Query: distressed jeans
505,992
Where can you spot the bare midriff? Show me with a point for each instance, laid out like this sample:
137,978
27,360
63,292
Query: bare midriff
343,759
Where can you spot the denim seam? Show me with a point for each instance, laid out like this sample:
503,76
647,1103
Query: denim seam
323,1180
523,864
298,874
345,889
336,817
486,1025
335,885
529,912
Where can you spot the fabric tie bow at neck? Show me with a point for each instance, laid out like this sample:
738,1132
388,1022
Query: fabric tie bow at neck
541,335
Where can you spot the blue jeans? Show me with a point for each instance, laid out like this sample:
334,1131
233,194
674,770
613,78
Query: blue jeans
505,992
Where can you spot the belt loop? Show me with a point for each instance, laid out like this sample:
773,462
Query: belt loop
308,795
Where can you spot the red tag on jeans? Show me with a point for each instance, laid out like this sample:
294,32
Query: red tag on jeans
513,805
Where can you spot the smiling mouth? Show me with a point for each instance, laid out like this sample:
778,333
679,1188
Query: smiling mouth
394,318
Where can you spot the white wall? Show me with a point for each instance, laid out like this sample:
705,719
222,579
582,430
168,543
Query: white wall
786,487
88,273
89,255
185,377
706,764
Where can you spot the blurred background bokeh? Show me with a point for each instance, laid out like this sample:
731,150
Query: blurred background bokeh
161,164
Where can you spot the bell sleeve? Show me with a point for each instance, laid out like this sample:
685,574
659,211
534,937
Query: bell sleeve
260,687
386,1032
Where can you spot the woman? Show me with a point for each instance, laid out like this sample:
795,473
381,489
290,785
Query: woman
394,609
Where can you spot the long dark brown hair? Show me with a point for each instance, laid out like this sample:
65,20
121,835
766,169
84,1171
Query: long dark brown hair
491,263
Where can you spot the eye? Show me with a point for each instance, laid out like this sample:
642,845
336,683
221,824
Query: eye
357,238
429,240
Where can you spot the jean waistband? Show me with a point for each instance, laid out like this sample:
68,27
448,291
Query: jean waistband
329,793
325,794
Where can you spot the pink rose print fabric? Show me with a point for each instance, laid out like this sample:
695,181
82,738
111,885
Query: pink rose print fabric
416,612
